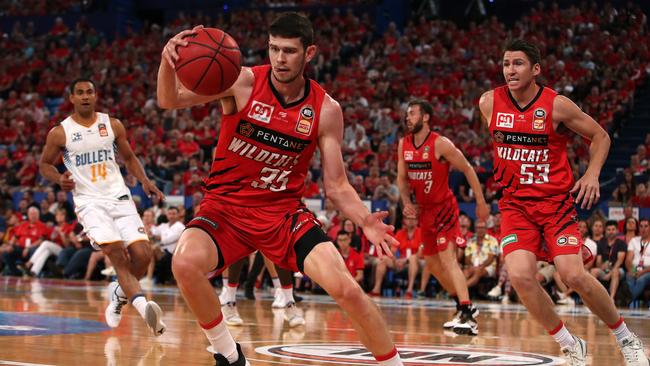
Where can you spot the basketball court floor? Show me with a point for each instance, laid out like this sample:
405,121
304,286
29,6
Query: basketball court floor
56,322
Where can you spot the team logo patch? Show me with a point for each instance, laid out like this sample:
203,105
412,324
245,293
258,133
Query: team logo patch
567,240
509,239
246,129
425,155
498,137
261,112
305,120
76,137
505,120
350,354
103,132
539,119
408,155
441,240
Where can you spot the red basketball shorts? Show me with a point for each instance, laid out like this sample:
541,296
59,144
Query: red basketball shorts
546,227
439,225
274,230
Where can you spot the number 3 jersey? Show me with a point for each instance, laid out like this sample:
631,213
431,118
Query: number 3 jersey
90,155
427,176
265,149
530,157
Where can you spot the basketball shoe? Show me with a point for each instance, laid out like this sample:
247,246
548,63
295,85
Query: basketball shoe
113,312
466,324
153,318
279,301
576,355
632,349
450,324
223,361
292,315
231,315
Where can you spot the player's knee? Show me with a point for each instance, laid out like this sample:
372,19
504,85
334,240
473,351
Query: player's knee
117,255
348,292
522,281
184,268
575,278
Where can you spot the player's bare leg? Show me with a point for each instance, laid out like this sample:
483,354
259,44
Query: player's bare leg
412,272
129,287
444,266
195,257
325,266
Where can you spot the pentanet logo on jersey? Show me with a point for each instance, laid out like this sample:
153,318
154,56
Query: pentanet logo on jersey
346,354
505,120
261,112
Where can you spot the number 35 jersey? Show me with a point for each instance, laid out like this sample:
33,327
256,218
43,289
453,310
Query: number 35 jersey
530,157
427,176
265,149
90,155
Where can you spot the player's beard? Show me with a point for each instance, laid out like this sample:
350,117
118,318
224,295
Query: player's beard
417,127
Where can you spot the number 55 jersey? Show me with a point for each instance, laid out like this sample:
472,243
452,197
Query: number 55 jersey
530,157
264,150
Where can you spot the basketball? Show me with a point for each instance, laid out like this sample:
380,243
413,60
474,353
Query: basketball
210,63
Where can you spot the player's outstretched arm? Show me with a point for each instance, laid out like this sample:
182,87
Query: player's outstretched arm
337,186
131,161
403,183
53,144
171,93
566,112
447,150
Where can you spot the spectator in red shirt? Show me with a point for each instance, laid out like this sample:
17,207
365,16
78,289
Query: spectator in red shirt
58,239
353,259
410,239
25,240
188,147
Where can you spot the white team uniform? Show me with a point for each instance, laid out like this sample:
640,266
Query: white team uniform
102,200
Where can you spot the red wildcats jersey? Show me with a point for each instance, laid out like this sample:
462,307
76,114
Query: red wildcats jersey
530,158
428,177
264,150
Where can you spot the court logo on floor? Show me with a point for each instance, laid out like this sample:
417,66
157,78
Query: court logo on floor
30,324
348,354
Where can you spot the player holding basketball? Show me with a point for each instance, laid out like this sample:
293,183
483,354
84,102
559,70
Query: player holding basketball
274,118
89,141
423,166
529,124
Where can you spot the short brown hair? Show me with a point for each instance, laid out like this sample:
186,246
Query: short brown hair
530,49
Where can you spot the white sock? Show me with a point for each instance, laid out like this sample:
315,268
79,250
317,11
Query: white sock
562,336
225,282
231,294
140,303
392,360
120,292
276,282
221,340
621,332
288,295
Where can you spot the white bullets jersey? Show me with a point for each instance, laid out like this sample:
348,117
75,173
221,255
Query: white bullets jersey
90,155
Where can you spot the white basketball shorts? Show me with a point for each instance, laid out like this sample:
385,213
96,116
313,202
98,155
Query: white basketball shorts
108,222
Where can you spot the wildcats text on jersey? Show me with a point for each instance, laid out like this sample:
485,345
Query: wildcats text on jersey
527,155
252,152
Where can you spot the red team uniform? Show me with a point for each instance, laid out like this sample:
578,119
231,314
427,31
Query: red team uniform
254,190
530,163
429,180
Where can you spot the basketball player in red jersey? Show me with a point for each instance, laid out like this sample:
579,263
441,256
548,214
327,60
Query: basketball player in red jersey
423,166
274,118
529,124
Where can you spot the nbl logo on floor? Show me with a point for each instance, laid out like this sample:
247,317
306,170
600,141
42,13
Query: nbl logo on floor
347,354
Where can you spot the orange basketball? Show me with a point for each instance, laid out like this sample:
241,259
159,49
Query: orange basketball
210,63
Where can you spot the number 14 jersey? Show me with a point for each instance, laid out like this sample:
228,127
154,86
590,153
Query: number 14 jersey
530,157
265,149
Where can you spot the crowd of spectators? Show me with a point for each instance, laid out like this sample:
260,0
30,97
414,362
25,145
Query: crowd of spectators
598,56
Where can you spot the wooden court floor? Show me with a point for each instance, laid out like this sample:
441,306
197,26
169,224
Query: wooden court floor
56,322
